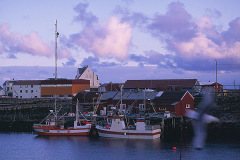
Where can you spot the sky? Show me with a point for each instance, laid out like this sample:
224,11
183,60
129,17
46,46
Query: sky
122,39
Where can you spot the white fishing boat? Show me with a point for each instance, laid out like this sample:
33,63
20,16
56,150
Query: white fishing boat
116,128
54,125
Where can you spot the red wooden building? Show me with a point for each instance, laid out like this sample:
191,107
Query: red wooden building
174,102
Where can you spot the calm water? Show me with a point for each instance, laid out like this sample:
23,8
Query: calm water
29,146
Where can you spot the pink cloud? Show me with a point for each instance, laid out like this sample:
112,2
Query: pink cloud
64,53
15,43
112,39
209,44
200,47
193,44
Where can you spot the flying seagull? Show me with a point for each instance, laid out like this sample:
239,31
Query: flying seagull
201,118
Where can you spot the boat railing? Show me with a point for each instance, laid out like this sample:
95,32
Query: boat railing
38,125
152,127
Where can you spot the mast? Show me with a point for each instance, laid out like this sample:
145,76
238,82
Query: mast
56,36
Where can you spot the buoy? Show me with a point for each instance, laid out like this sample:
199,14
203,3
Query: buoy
174,148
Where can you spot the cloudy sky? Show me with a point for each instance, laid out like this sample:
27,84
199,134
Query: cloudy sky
121,39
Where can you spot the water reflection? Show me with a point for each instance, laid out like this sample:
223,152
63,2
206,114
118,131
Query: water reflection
30,146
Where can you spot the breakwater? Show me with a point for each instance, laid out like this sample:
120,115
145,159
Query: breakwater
19,115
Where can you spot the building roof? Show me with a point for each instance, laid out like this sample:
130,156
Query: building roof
170,95
185,83
111,86
108,95
81,71
65,81
28,82
134,95
10,81
86,96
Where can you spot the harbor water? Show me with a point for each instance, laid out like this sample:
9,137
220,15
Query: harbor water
24,146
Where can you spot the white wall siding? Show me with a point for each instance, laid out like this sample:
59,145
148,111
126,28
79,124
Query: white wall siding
90,75
26,91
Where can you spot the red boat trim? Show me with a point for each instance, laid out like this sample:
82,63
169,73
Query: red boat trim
59,129
127,133
62,134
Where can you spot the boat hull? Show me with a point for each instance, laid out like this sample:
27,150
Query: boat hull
131,134
62,132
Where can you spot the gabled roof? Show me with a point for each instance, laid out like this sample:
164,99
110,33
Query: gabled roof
160,83
10,81
82,70
170,95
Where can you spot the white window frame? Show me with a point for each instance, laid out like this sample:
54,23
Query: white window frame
188,106
141,107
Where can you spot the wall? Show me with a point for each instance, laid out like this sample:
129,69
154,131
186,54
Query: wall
79,88
45,91
180,109
90,75
33,91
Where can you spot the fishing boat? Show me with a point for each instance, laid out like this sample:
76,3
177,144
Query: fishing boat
117,127
54,125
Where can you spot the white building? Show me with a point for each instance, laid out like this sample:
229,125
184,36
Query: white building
27,89
2,93
87,73
7,87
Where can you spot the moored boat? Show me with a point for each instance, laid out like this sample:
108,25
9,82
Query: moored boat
116,128
54,126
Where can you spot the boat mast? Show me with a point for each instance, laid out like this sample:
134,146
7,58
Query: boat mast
56,36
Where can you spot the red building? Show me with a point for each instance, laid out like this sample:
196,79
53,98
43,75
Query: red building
174,102
63,87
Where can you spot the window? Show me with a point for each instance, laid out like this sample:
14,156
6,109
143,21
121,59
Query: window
31,91
20,86
122,106
26,86
187,105
31,86
20,91
162,109
26,91
141,107
90,76
86,76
